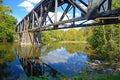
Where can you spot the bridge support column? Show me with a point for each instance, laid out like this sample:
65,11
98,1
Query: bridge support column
31,38
37,38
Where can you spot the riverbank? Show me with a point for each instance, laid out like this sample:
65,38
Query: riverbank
84,42
114,76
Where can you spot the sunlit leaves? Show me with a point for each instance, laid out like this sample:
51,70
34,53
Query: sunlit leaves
7,23
66,35
105,41
115,3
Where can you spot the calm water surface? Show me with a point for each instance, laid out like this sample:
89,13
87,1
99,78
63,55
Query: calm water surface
54,60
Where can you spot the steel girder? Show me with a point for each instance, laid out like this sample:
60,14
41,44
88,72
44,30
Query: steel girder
59,14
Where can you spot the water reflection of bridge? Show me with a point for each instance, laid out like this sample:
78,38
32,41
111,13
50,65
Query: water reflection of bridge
53,60
33,66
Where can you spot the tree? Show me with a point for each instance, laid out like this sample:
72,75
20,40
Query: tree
7,23
71,35
46,37
115,4
105,40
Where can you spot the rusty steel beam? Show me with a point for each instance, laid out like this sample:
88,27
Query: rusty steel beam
78,6
37,19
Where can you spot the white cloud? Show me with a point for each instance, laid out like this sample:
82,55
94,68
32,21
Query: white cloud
27,5
34,1
59,14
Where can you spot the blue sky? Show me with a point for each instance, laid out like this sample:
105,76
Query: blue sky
20,7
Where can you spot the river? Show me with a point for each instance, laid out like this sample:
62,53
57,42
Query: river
54,60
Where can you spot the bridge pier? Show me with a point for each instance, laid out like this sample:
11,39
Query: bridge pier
31,38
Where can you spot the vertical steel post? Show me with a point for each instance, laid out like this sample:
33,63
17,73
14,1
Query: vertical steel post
41,13
28,23
74,15
18,28
90,4
33,20
109,4
56,5
24,25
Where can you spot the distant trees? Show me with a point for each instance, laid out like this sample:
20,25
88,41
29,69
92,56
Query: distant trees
66,35
7,23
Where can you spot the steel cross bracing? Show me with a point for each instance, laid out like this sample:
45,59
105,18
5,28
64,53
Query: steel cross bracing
59,14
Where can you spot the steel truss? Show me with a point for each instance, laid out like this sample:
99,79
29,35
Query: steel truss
59,14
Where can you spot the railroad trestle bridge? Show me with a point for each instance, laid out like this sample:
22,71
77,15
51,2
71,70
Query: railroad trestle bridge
60,14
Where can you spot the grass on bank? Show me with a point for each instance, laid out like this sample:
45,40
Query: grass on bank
114,76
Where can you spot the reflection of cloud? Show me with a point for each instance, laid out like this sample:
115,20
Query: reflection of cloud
65,63
60,57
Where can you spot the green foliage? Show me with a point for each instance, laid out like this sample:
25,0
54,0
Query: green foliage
6,56
67,35
75,47
105,41
46,37
114,76
115,3
7,23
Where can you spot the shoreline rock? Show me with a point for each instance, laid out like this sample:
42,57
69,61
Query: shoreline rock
100,67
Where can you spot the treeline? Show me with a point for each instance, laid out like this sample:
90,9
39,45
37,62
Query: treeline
66,35
105,40
7,23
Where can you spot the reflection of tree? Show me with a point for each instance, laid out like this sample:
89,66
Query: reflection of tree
6,55
70,47
28,51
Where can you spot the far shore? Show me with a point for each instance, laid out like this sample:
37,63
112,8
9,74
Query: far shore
73,42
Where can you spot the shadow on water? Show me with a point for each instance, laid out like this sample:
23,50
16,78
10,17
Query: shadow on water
53,60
